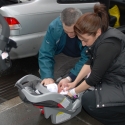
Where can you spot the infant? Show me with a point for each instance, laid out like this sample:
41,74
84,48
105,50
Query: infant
54,88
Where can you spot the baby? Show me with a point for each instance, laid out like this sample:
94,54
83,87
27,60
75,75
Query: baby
54,88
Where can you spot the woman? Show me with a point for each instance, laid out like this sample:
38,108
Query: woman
106,47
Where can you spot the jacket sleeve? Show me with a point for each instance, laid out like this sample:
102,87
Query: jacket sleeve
83,59
46,55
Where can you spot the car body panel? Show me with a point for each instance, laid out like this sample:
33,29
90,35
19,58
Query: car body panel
34,18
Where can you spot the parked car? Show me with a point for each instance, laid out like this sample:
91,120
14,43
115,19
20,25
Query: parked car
29,19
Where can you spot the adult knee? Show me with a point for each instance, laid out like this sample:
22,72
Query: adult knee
89,101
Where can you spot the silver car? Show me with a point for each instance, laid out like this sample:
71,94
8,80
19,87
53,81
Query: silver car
28,21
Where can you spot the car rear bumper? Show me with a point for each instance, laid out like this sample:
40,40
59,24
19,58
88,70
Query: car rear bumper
27,45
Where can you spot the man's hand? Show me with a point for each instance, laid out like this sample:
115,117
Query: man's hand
47,81
62,84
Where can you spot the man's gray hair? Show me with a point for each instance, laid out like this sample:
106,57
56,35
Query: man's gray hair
69,16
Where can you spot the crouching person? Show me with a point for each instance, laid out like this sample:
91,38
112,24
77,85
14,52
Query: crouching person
107,66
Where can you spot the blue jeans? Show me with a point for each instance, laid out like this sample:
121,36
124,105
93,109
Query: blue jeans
107,115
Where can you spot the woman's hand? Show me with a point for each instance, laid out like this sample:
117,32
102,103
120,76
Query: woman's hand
62,84
70,86
69,94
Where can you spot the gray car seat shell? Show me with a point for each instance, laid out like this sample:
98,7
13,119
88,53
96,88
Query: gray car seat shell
59,107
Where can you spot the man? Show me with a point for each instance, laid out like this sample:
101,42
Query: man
61,38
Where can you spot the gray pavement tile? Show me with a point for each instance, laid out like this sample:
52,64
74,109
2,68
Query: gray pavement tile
10,103
16,112
26,114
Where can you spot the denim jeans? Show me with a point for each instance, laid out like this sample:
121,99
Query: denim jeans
107,115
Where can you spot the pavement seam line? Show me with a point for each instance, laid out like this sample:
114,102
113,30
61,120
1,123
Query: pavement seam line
11,107
83,120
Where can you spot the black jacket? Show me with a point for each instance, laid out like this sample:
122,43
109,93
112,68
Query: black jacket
111,89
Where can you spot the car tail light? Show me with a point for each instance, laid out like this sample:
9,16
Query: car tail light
13,23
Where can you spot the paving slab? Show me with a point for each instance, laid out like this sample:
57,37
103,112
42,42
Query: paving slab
26,114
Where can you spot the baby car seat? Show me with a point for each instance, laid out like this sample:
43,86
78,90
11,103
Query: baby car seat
59,107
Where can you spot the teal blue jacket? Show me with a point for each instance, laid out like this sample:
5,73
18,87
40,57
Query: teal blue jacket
53,44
